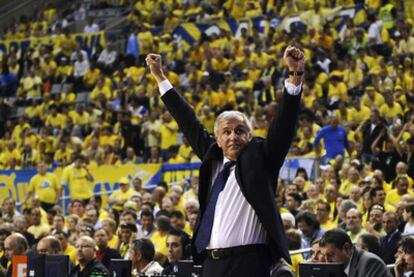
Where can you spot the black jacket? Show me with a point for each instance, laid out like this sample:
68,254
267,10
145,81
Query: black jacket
389,248
110,254
93,267
257,167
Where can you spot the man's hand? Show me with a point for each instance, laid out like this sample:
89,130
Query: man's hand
154,63
295,60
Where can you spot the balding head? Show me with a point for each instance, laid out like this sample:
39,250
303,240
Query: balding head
49,245
14,245
85,247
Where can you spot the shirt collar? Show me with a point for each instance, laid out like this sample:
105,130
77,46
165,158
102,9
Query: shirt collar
348,266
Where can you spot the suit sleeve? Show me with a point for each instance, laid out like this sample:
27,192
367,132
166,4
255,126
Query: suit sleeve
375,268
197,136
282,130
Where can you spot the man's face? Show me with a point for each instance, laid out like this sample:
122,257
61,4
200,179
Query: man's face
36,216
409,262
375,217
174,249
9,248
42,247
321,212
9,206
125,235
353,220
78,208
232,137
305,228
101,238
58,223
316,253
63,240
291,203
379,197
91,214
402,186
331,254
178,223
147,222
85,251
389,223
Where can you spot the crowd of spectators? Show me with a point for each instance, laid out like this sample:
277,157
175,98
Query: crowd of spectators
356,119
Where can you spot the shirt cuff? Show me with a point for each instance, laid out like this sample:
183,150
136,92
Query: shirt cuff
164,86
291,88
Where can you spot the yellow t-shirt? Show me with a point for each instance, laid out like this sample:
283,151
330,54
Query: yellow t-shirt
393,197
71,252
113,242
160,243
38,231
77,180
120,195
45,186
168,137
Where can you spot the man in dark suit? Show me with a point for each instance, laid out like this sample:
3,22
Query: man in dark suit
389,243
336,247
239,231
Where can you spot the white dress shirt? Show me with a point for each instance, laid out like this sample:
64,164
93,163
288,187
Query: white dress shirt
235,221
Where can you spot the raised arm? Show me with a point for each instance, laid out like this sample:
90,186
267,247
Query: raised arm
282,128
197,136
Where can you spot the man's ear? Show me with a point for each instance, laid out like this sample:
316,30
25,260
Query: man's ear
347,248
217,141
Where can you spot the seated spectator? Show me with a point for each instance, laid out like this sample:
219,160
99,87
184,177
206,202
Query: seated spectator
336,247
310,228
8,209
68,249
49,245
142,253
127,233
38,229
20,226
368,243
88,263
118,198
316,254
389,243
354,224
104,254
404,262
408,215
178,248
294,242
147,228
14,245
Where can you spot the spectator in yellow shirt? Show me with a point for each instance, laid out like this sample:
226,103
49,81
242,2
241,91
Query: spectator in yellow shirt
78,178
118,198
46,186
401,188
38,229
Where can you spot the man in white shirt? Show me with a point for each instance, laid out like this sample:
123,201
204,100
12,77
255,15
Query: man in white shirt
91,27
239,231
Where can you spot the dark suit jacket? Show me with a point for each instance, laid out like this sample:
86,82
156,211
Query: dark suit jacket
110,254
388,249
257,167
366,264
